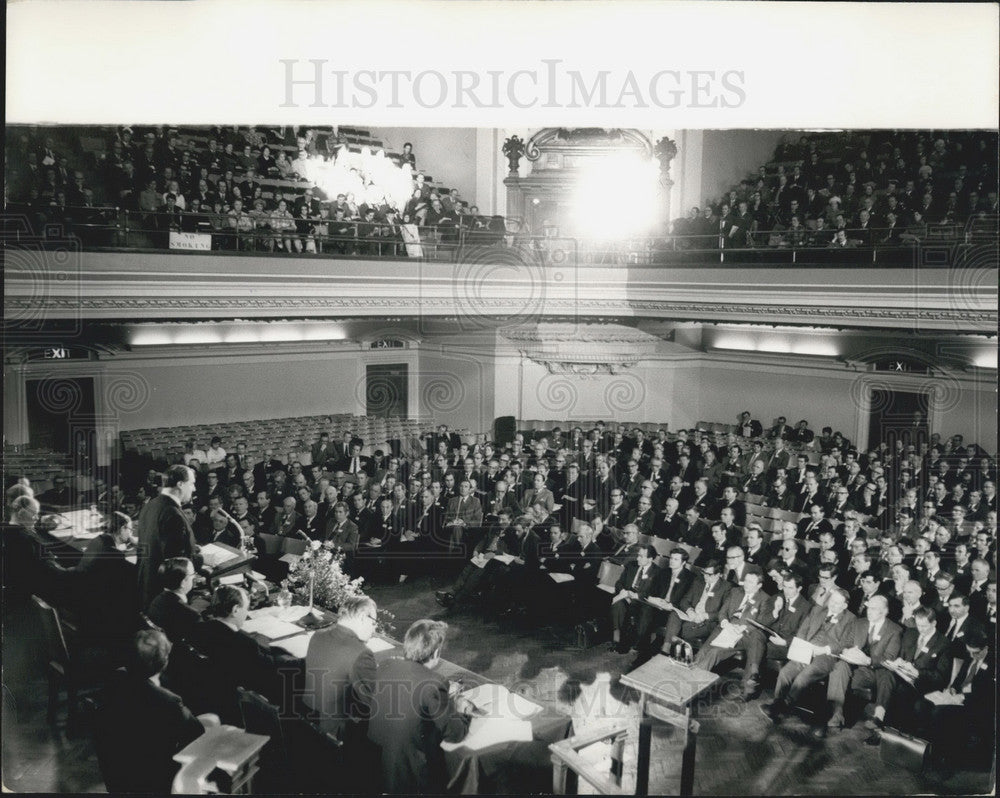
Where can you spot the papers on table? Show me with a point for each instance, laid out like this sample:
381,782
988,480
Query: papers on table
727,637
257,576
78,524
506,559
290,614
484,732
559,578
296,646
270,627
801,651
214,555
231,579
942,698
504,718
479,561
377,644
291,559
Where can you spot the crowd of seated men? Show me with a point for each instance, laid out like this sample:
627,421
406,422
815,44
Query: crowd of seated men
167,184
837,191
901,536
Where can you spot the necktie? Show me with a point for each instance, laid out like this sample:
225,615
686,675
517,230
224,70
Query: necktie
951,630
731,577
704,599
639,575
970,674
871,632
354,466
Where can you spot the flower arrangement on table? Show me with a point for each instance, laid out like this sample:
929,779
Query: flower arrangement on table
318,579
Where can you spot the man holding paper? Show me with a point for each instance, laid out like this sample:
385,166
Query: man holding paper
633,585
782,615
876,639
667,592
742,605
825,632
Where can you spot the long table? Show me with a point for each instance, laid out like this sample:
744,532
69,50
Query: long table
507,766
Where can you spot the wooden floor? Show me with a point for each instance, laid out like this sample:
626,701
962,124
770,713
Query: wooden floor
740,751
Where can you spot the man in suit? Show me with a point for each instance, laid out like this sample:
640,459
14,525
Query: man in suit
143,725
742,605
170,609
355,462
633,585
59,497
517,582
811,527
464,515
700,607
321,451
237,659
670,524
340,673
958,625
666,593
874,640
341,532
923,657
499,539
164,531
414,710
828,629
783,614
966,726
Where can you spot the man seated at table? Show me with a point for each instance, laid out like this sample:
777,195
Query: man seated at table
340,674
59,497
633,585
143,725
170,609
236,658
742,605
499,539
413,711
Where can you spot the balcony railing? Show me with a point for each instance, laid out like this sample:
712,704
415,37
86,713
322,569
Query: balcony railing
484,238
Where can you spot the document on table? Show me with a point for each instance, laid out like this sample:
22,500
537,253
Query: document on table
484,732
506,559
727,638
231,579
270,627
377,644
214,555
559,577
290,614
496,701
801,651
296,646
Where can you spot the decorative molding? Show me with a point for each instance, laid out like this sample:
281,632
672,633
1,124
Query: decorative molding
583,349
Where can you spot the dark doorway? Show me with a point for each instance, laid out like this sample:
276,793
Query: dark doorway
385,390
61,414
898,415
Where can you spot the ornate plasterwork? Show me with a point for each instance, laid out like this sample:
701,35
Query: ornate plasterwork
583,349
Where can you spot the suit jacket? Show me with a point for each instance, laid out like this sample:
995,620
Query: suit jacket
933,662
340,678
682,585
956,646
586,562
730,610
313,527
531,497
673,528
108,598
814,629
714,602
163,532
286,524
644,585
789,618
343,537
138,732
175,617
411,716
468,510
885,647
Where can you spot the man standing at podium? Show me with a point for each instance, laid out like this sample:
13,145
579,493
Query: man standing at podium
164,531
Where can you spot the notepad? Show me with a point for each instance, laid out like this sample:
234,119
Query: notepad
377,644
941,698
214,555
495,700
506,559
559,578
801,651
727,638
484,732
231,579
297,646
270,627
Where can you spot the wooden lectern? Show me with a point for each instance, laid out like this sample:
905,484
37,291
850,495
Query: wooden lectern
667,690
229,753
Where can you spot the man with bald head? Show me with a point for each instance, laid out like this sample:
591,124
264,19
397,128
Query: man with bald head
876,639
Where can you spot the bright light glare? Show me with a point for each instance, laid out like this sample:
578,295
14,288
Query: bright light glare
237,333
616,196
370,177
